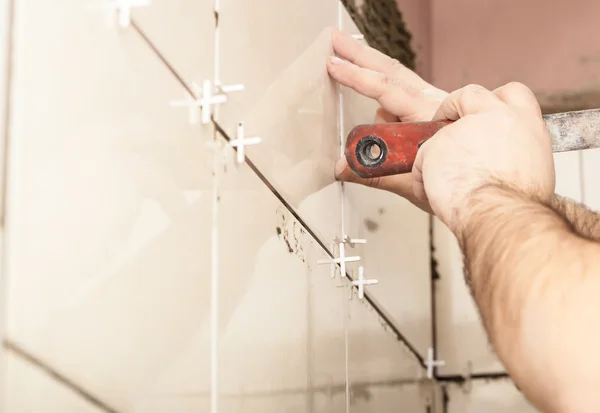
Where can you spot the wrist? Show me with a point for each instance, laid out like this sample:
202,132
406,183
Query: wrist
498,201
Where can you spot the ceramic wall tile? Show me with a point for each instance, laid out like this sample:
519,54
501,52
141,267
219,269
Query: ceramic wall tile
280,315
289,99
568,174
590,171
460,335
461,339
397,252
382,372
31,390
497,396
183,33
109,204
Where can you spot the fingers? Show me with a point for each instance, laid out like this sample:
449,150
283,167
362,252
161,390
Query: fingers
468,100
520,97
373,74
367,57
367,82
408,102
418,185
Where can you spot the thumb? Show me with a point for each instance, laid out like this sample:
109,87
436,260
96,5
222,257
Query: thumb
345,174
418,186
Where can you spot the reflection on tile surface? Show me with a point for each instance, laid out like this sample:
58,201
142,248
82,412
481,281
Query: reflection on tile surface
109,203
397,251
280,335
289,99
31,390
498,396
183,32
281,327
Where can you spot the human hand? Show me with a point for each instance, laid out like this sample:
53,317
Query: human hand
402,94
499,138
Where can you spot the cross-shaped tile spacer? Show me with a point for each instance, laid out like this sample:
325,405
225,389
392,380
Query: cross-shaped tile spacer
361,282
205,102
123,7
342,260
431,363
241,141
351,241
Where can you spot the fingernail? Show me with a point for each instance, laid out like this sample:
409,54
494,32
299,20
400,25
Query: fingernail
336,60
340,167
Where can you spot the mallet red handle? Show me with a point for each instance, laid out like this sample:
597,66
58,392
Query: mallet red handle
387,148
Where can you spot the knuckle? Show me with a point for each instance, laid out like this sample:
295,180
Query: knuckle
474,88
472,94
395,63
518,88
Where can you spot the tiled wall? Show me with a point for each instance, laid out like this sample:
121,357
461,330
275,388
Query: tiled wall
145,270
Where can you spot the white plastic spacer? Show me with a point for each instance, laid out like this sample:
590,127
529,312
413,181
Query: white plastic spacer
205,102
123,7
351,241
342,259
361,282
241,141
431,363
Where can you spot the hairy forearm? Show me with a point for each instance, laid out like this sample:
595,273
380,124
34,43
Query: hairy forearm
534,270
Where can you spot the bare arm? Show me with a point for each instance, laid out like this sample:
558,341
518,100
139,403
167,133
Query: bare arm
534,270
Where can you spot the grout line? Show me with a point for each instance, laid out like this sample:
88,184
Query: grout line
83,393
4,174
214,264
214,289
457,378
445,399
433,288
345,303
386,318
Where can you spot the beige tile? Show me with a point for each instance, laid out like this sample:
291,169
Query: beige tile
383,373
389,400
109,200
183,32
397,252
289,99
461,338
498,396
375,353
590,170
281,320
281,314
568,179
31,390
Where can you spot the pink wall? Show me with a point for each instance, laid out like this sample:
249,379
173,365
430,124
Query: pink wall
553,47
